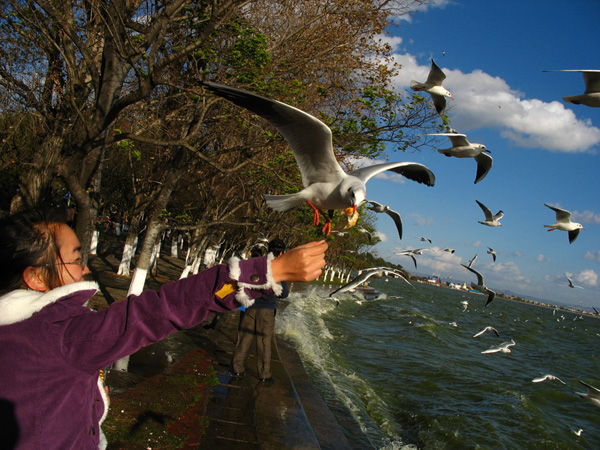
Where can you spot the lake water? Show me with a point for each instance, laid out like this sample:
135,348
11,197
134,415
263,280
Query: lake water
403,370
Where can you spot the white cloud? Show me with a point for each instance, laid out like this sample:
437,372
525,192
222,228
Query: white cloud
422,221
592,256
381,236
587,277
482,100
541,258
421,7
505,271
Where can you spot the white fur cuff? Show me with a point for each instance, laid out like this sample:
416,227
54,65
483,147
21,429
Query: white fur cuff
235,273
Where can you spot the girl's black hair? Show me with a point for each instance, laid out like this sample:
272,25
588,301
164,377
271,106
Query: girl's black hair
28,239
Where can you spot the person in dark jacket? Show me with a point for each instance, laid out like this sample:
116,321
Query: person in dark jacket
258,321
53,348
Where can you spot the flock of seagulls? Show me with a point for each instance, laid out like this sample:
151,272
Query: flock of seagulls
327,187
592,393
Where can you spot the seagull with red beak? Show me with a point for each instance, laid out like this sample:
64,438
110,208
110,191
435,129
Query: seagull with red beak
326,186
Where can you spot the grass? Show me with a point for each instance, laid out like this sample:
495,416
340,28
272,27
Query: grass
166,411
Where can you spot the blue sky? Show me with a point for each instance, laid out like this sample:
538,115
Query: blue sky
545,150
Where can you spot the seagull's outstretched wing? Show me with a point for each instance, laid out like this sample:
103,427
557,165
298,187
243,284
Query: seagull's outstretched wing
413,171
488,214
457,139
436,76
397,220
484,164
308,137
562,215
479,276
357,281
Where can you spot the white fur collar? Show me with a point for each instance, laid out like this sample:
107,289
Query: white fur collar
21,304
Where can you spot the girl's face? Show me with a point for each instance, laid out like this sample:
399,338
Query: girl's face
71,269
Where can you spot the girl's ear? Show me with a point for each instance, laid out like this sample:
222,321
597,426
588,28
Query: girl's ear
33,279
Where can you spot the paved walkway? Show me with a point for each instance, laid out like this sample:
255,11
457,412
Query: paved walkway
243,413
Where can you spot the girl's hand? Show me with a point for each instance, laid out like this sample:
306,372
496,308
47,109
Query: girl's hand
302,263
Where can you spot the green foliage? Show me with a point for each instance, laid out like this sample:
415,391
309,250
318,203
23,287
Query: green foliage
248,56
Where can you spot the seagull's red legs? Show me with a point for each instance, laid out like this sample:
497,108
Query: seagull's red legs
327,227
316,217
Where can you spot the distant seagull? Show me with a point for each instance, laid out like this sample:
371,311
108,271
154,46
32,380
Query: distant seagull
547,377
462,148
563,222
434,87
368,273
484,330
576,432
365,231
424,239
379,208
339,233
490,220
411,253
449,250
502,348
591,96
472,260
592,394
326,185
492,252
479,286
571,285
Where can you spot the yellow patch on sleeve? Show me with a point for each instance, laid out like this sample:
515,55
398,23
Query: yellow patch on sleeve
228,288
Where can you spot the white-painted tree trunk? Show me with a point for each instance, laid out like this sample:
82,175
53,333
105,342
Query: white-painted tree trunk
94,243
186,271
210,256
174,252
154,257
125,264
196,266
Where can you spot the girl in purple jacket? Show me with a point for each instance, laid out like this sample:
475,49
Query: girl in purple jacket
52,347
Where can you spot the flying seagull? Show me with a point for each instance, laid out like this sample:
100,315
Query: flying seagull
571,285
592,394
433,86
563,222
379,208
486,329
492,252
412,253
502,348
490,220
424,239
479,286
591,96
462,148
472,260
449,250
368,273
547,377
326,185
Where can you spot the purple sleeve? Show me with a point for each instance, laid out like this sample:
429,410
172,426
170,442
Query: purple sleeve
96,339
